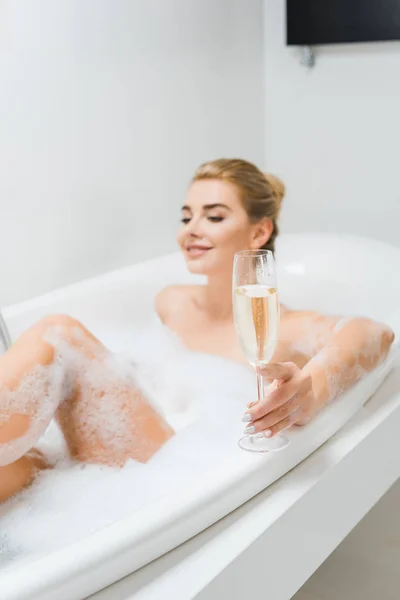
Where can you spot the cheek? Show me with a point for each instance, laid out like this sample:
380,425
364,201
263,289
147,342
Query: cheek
234,236
180,237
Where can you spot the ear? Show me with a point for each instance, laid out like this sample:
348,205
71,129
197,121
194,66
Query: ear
261,233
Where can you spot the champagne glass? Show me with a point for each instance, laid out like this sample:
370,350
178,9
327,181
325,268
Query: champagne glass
256,317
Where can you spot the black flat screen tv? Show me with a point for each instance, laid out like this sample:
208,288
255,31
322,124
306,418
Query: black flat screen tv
311,22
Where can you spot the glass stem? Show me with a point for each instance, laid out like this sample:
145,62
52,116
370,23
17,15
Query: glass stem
260,387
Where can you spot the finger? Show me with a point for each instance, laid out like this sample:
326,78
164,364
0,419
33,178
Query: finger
275,416
275,399
298,385
283,371
267,390
281,426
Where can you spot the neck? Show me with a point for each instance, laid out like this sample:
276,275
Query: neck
217,297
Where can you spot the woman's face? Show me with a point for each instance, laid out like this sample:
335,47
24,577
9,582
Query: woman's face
215,226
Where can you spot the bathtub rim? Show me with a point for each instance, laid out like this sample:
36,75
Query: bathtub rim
75,288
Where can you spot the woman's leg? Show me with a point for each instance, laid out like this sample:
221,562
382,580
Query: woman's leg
18,475
30,391
104,417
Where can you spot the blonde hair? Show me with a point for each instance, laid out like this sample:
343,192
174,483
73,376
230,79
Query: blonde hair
260,193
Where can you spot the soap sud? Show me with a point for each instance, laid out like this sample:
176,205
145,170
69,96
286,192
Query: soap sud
202,396
316,332
37,396
339,376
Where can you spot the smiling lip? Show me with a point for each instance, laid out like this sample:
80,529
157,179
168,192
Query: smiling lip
197,251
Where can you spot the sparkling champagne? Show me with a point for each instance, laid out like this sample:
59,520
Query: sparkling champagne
256,315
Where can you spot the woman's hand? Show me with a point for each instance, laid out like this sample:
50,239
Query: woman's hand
289,400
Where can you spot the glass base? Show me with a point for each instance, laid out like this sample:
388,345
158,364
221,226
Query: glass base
259,443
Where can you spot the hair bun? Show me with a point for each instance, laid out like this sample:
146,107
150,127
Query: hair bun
278,188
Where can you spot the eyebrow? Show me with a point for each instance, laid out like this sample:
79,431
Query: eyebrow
208,206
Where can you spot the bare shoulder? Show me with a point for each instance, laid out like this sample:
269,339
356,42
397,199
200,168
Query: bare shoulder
310,318
318,328
332,322
171,299
307,331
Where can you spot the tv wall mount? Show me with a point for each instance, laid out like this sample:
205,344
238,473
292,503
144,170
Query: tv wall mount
307,57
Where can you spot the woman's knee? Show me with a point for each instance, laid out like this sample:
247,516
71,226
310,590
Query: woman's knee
58,321
56,336
62,328
38,341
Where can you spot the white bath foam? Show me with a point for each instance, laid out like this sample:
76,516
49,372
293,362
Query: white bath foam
71,501
182,384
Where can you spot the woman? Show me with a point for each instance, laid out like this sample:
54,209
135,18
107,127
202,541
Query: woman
232,206
57,366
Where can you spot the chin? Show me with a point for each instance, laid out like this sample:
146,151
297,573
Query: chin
204,267
197,267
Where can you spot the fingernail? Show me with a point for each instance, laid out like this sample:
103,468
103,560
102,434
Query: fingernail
247,418
267,433
250,429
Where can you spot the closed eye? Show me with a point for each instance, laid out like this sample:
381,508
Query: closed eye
186,220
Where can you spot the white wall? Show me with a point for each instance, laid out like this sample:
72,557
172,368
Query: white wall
106,108
333,133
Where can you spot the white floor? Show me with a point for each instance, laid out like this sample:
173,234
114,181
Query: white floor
366,565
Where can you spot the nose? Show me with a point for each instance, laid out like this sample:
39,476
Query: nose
193,228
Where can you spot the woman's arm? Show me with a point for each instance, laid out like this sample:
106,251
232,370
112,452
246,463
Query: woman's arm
353,348
357,346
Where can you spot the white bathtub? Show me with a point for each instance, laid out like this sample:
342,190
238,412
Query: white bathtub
335,274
